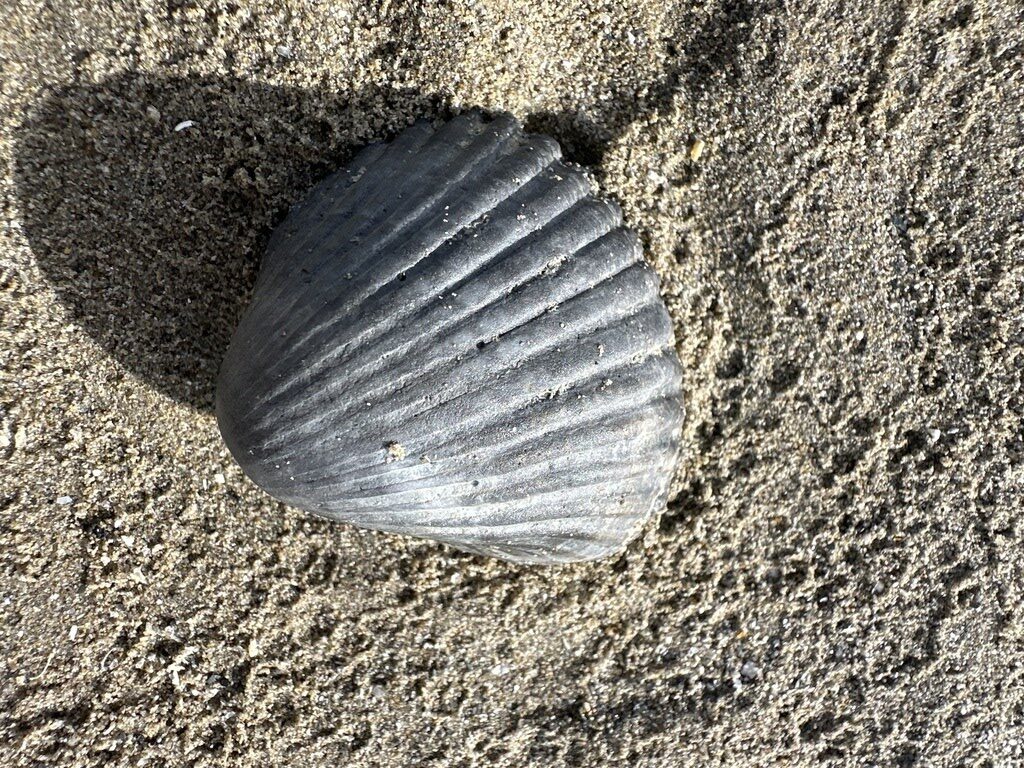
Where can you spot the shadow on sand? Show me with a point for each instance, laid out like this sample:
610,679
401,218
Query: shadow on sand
151,233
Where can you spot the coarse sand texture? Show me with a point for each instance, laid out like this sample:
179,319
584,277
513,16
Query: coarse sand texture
829,194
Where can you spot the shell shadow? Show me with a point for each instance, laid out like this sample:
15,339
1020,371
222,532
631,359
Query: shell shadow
152,236
586,132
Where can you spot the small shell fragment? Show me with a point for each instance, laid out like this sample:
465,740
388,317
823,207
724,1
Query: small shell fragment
696,150
454,338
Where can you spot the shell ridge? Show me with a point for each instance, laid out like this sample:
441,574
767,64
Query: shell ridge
554,522
505,360
505,301
324,196
453,398
499,440
485,254
527,434
557,373
504,442
579,527
541,550
554,425
383,211
367,190
343,226
511,537
472,428
470,162
424,250
335,355
424,161
336,314
433,316
535,471
423,316
313,211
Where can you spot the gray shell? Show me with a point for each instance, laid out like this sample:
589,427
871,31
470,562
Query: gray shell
453,338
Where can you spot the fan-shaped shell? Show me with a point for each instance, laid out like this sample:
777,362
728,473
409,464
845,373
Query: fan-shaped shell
453,338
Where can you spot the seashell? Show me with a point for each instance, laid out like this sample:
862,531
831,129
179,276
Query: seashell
454,339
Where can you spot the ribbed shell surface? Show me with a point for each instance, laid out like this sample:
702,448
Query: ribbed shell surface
453,338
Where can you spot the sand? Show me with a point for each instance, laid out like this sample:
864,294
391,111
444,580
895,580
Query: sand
838,579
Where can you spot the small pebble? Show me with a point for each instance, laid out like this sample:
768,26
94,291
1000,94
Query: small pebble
64,500
696,149
658,178
183,125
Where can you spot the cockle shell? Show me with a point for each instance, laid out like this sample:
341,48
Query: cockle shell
453,338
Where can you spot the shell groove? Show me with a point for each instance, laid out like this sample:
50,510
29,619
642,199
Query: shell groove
453,338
